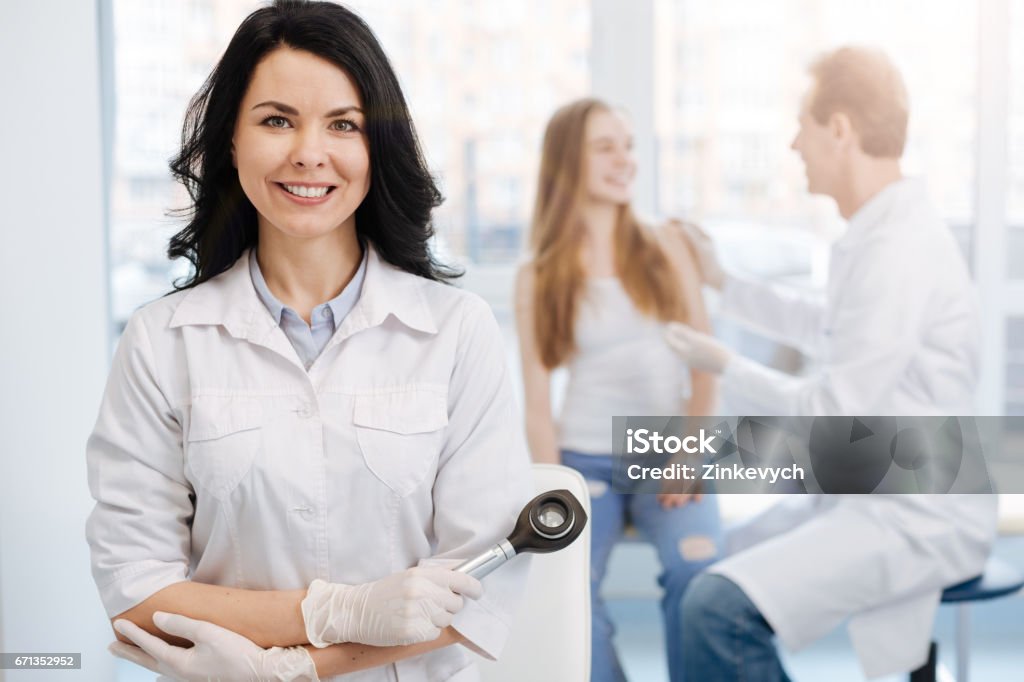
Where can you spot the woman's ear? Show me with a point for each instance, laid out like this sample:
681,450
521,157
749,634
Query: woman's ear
234,161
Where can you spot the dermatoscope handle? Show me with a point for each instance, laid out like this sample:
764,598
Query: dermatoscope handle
484,563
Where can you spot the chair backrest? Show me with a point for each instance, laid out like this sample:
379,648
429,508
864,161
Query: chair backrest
550,637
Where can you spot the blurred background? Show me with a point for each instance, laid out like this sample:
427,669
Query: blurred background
96,92
712,89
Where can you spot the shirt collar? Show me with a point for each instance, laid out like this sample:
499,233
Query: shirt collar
874,211
341,305
387,290
230,299
268,299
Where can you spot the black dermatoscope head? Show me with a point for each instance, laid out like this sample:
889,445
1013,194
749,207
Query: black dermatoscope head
549,522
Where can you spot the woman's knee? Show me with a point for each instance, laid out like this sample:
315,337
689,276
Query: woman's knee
690,555
711,598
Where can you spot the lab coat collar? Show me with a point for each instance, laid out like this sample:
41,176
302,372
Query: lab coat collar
387,290
873,213
230,300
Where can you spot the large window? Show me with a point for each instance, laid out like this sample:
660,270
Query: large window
730,76
728,80
162,52
467,68
483,77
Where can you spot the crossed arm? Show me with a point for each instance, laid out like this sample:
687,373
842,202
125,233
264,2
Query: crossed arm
268,618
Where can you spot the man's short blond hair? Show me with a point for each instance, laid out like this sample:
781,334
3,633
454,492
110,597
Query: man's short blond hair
866,86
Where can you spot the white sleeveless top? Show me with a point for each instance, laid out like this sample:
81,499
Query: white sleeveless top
622,366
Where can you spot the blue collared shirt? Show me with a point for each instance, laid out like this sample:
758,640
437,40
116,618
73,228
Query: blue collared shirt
308,340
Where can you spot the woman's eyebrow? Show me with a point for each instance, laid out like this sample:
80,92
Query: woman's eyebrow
341,111
284,108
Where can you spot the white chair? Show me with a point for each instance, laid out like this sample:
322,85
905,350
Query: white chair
550,637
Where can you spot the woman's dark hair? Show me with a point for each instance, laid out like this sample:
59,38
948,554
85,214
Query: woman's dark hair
395,216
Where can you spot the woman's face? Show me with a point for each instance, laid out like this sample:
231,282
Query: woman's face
608,160
300,145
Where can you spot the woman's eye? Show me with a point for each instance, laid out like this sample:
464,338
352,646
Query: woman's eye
345,126
275,121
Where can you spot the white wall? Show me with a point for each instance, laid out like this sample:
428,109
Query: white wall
622,73
53,333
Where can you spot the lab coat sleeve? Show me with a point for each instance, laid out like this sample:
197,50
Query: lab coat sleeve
870,334
139,529
784,314
483,480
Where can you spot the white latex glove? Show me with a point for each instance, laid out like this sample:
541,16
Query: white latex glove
711,271
699,351
405,608
218,654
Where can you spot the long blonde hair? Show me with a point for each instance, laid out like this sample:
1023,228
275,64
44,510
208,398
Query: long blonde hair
556,234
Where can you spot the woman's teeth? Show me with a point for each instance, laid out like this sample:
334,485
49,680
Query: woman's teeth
307,192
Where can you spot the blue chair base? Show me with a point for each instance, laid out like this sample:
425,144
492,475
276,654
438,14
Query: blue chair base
999,580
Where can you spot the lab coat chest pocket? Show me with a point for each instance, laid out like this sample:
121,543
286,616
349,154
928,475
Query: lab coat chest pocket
224,437
400,435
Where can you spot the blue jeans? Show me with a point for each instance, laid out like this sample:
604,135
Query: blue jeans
725,637
687,539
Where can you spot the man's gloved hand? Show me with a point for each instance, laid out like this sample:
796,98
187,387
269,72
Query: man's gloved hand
711,271
699,351
218,654
405,608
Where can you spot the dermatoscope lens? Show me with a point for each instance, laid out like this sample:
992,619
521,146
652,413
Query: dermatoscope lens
551,515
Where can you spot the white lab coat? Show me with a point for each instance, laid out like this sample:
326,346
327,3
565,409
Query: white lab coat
218,458
897,335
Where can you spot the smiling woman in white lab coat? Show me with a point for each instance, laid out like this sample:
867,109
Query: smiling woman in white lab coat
297,445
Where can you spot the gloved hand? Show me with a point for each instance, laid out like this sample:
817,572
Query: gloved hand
711,271
405,608
218,654
700,351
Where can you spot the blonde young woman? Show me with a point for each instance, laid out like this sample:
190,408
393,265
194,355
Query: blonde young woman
594,297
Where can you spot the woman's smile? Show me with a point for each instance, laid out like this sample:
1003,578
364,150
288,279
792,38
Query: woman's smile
306,194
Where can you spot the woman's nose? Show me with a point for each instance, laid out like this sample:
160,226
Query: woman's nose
308,150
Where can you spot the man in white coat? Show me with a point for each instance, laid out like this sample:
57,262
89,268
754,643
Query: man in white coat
897,335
